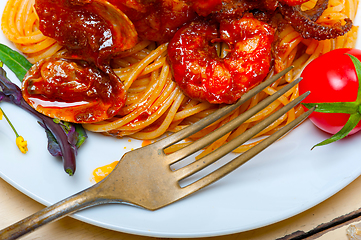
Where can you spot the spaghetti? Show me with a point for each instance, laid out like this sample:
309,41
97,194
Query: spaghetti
155,105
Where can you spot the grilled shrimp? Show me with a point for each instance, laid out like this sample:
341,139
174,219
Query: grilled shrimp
203,75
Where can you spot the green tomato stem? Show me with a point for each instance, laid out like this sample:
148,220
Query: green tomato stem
350,124
352,108
335,107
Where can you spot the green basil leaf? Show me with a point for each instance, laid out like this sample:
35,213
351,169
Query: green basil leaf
82,135
350,124
16,62
335,107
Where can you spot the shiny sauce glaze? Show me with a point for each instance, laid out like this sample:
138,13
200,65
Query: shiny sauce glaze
79,85
74,91
74,26
86,27
203,75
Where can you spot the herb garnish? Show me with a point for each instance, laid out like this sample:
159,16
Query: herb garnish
63,138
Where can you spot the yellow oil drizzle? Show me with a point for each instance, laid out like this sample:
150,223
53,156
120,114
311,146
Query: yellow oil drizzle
101,172
146,142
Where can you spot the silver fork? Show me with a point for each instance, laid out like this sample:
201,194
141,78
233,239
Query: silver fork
143,177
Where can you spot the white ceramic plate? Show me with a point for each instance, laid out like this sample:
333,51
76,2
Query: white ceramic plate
284,180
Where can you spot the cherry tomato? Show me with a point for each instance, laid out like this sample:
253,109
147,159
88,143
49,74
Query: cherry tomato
331,78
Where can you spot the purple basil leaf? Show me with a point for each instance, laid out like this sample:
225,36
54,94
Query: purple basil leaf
10,90
64,134
53,146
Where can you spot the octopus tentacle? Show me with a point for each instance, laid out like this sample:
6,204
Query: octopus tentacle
316,12
309,28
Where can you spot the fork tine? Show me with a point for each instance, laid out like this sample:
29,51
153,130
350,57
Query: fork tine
178,136
234,143
243,158
211,137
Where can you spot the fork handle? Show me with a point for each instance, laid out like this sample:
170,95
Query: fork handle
81,200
